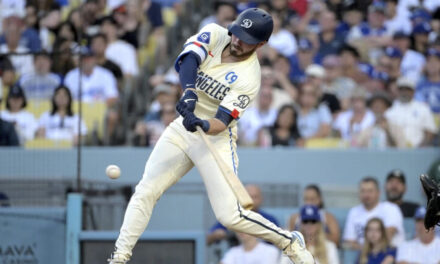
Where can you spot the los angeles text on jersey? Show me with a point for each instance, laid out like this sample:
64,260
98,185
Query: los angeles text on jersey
210,86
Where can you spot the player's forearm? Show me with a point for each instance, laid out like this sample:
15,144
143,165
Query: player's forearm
215,126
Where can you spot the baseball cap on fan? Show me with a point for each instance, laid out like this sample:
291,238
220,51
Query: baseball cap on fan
397,174
310,213
404,82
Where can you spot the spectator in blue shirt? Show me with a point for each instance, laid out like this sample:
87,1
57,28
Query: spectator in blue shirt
300,61
428,90
218,232
330,41
376,249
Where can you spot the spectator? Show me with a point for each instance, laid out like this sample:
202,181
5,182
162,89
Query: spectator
323,249
61,123
163,94
352,122
395,189
377,248
352,16
257,117
24,122
372,34
27,37
67,31
12,32
98,84
148,133
316,76
395,22
301,61
99,46
284,131
314,119
415,118
428,90
281,39
219,232
424,248
382,133
251,251
225,13
7,73
335,83
370,207
8,136
421,37
62,61
350,58
119,51
47,26
275,75
330,40
312,196
41,83
391,62
412,61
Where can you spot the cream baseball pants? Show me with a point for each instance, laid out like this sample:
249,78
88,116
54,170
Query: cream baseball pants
176,152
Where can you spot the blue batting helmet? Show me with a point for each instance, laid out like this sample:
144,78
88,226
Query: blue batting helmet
252,26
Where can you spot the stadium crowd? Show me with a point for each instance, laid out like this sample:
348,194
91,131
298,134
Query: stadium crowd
335,73
374,232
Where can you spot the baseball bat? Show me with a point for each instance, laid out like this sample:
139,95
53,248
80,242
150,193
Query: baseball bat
234,182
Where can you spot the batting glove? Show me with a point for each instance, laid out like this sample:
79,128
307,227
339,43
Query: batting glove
188,102
190,122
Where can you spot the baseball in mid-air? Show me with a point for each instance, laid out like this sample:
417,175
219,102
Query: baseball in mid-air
113,171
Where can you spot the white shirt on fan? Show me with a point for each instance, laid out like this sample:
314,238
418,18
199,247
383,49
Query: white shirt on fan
261,254
61,128
124,55
415,118
358,217
24,121
414,251
99,86
347,129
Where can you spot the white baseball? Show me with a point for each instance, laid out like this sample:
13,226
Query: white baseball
113,171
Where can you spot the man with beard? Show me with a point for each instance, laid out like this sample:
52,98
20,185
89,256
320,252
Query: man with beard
395,188
220,75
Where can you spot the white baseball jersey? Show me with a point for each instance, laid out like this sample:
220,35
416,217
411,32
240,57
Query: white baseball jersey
230,85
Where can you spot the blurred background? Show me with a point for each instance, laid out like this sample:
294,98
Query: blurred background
349,103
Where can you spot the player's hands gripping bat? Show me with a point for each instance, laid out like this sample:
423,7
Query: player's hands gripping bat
187,102
432,190
234,182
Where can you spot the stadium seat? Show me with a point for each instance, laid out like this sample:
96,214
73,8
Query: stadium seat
93,115
325,143
43,143
38,107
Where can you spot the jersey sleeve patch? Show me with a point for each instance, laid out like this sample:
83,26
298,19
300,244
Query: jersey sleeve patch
204,37
242,101
235,113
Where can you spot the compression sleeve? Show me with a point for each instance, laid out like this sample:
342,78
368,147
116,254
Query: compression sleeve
224,115
188,70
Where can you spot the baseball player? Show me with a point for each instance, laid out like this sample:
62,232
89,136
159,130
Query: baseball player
220,74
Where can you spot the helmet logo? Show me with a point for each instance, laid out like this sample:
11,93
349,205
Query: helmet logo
246,23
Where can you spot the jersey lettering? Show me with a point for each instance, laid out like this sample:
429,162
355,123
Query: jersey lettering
211,87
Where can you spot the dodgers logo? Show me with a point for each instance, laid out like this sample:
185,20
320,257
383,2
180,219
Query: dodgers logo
246,23
243,101
204,37
231,77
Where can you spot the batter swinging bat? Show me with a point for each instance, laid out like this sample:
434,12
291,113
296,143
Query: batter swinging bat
234,182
